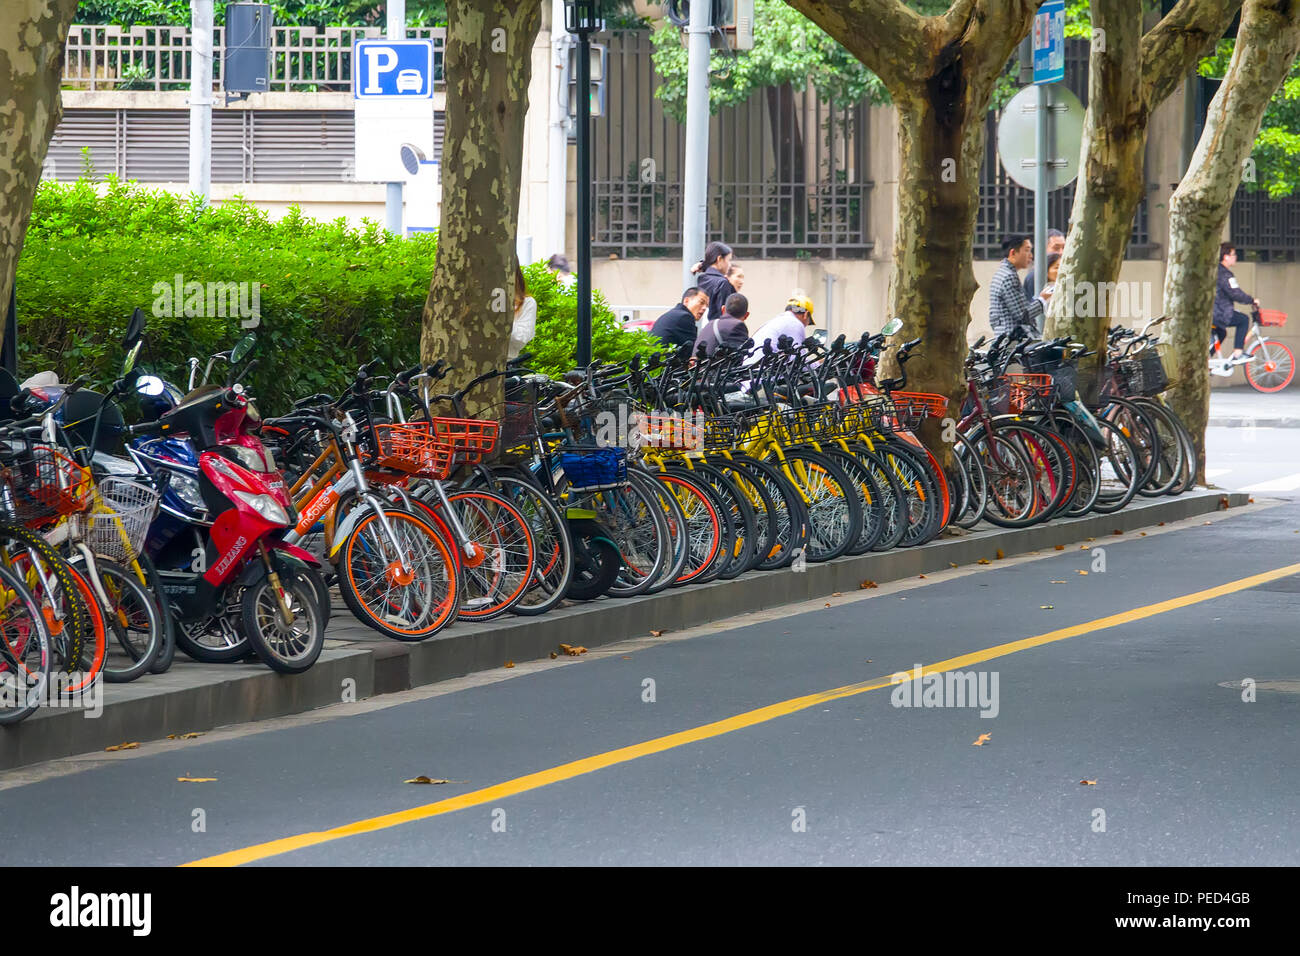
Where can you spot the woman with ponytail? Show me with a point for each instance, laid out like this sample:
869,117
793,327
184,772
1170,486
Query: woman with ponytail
713,280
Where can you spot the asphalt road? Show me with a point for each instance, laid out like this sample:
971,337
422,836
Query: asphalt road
1185,771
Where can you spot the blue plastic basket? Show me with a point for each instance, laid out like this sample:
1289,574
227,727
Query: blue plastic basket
595,467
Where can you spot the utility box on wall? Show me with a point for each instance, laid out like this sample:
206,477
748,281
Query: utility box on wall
246,67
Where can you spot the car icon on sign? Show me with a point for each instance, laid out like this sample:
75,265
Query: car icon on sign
409,81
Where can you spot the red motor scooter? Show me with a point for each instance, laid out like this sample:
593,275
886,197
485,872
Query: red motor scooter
254,584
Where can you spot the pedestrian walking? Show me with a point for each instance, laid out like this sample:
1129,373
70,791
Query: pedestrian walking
1009,308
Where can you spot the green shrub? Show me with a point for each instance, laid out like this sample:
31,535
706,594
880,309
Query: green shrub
332,296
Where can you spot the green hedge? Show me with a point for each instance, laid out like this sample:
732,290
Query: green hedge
332,296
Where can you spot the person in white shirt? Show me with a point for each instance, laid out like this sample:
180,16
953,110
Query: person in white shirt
524,326
793,322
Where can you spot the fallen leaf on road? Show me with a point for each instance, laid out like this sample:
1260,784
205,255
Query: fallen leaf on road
1058,582
423,779
1161,525
627,657
981,740
867,584
1060,547
1088,783
952,564
1089,539
920,575
1000,555
983,561
554,655
1046,607
1250,500
1117,531
836,594
1142,534
196,779
130,746
1080,572
189,736
656,633
510,664
870,661
1223,501
573,650
828,604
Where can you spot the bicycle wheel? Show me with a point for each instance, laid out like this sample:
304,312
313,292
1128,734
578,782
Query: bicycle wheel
1271,367
496,578
1119,472
834,514
760,502
893,496
703,523
924,508
975,495
44,571
153,584
138,633
25,657
788,533
678,532
1087,464
633,517
1046,461
407,588
552,544
1171,462
1012,487
869,496
1138,429
737,518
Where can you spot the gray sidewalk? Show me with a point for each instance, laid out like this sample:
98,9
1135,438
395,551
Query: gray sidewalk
1243,407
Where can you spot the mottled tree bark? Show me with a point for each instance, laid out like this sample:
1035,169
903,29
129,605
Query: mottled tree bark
940,72
1267,44
1129,75
488,64
32,33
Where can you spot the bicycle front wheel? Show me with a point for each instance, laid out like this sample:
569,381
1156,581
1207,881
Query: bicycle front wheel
24,650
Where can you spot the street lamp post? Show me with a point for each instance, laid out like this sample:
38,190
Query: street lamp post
582,18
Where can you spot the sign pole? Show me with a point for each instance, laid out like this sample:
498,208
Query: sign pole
396,30
1041,188
695,188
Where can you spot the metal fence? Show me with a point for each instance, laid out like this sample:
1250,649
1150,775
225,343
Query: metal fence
786,169
1266,230
1007,208
248,146
145,57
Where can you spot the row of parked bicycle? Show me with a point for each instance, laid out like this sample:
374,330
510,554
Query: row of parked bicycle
204,527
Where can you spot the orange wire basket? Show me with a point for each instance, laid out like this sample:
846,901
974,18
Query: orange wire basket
669,431
45,485
922,404
412,449
469,438
1025,386
1271,317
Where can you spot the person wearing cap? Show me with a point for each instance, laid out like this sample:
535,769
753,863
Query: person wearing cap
793,322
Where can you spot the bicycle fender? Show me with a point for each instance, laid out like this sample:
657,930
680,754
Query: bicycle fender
284,563
343,531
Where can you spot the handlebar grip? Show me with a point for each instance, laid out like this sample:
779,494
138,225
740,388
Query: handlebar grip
410,373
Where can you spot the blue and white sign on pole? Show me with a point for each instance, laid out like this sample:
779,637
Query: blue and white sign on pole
1049,42
392,68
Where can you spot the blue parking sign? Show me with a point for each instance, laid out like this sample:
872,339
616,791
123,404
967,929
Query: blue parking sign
1049,42
392,68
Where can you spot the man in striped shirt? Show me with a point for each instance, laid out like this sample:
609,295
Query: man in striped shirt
1009,307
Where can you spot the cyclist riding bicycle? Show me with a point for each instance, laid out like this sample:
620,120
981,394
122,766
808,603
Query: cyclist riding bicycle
1227,291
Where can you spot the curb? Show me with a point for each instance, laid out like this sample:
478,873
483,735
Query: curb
196,697
1250,422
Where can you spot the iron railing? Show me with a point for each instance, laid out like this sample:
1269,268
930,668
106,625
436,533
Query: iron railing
1266,229
149,57
786,169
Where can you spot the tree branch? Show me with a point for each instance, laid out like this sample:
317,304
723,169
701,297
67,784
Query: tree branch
1171,48
884,35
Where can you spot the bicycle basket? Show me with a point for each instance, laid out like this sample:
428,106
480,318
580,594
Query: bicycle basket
670,431
1065,378
1271,317
412,448
1144,375
921,405
1028,390
45,485
807,423
469,438
118,520
592,468
607,422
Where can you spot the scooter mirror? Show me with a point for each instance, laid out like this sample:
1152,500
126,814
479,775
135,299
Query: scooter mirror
129,362
150,385
134,329
892,326
242,348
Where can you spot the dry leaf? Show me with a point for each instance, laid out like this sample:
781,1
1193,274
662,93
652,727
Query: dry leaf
130,746
196,779
867,584
1080,572
952,564
1088,783
1000,554
627,657
870,661
1223,501
836,594
1047,607
1250,500
423,779
554,655
1060,547
1161,525
656,633
1089,539
981,740
1117,531
1142,534
920,575
510,664
1058,582
573,650
827,604
983,561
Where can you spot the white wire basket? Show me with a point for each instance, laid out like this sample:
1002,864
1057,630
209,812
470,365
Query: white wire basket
118,522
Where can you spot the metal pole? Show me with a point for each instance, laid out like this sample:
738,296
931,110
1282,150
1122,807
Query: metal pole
584,199
1042,119
696,187
201,98
557,184
396,30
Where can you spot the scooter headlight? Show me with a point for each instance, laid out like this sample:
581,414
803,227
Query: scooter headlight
266,506
187,489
